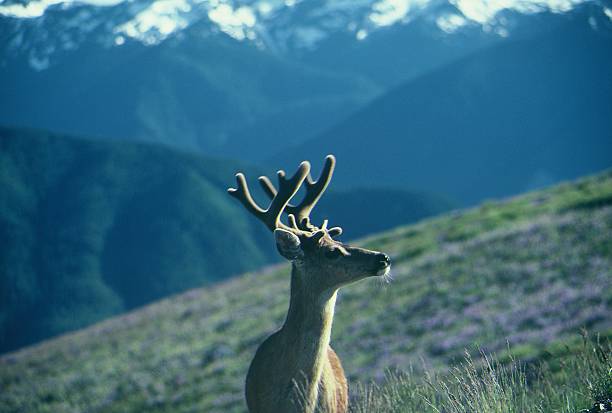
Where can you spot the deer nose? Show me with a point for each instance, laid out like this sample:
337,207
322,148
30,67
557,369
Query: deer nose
384,260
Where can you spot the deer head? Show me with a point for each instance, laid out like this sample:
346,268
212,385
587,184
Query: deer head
326,264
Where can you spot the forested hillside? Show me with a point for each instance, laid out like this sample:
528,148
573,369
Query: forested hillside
91,229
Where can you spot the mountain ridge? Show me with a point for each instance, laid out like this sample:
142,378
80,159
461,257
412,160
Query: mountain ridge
86,225
209,92
528,104
269,25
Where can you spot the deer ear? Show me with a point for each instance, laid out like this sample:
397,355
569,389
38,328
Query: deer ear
288,244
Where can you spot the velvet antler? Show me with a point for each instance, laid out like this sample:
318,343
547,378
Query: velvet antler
314,191
287,189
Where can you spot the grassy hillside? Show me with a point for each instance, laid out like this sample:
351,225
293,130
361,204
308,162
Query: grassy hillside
529,271
518,116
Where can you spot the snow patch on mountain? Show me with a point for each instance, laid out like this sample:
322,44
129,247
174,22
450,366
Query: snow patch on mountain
484,11
238,22
156,22
37,8
40,28
450,23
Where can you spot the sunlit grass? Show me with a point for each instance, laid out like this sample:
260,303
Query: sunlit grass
566,384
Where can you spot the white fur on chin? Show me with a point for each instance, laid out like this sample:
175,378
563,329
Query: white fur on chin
384,271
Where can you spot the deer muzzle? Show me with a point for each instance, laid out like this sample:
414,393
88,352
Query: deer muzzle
383,264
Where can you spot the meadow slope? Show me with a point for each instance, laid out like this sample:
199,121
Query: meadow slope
529,271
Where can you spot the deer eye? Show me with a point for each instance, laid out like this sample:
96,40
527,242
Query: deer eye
333,254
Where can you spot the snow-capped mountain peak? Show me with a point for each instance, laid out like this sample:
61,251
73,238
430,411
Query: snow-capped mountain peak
41,28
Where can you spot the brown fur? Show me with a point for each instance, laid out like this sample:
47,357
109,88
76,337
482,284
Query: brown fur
260,398
342,385
295,370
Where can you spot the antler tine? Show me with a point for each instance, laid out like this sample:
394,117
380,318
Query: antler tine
287,189
267,186
243,195
314,191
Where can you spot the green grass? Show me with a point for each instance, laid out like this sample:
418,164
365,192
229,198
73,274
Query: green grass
516,278
566,383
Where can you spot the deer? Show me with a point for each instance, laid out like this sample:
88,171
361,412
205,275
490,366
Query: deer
295,370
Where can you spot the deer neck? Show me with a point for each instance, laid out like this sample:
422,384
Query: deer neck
307,332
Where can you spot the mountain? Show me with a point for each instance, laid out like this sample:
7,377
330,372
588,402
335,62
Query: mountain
513,117
91,229
512,277
365,211
295,28
192,95
238,79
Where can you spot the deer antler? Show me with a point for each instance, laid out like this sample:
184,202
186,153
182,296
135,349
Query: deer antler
314,191
287,189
